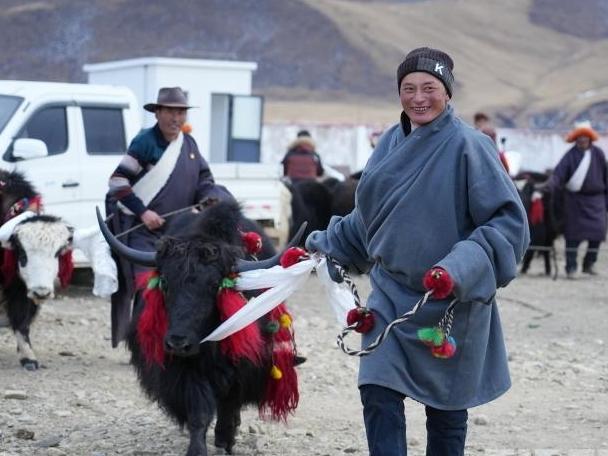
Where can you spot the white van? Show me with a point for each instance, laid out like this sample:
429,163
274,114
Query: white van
67,139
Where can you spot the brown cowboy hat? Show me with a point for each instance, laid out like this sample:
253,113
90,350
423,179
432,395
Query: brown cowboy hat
582,129
170,97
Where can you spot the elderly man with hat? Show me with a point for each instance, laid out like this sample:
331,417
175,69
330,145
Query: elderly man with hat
161,172
435,213
582,173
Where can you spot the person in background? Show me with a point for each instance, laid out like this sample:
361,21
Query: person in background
434,212
481,120
162,171
483,123
582,174
301,160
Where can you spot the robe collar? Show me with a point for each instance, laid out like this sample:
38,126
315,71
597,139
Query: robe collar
435,125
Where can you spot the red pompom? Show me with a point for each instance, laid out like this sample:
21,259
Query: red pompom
446,350
363,317
291,256
252,241
438,280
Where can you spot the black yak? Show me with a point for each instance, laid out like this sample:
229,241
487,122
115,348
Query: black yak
316,202
544,218
194,265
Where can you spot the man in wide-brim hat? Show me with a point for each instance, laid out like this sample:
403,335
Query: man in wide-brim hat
169,97
161,172
582,174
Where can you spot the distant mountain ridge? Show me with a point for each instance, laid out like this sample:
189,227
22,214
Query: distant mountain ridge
531,63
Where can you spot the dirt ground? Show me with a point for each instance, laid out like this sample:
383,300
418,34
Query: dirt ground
85,400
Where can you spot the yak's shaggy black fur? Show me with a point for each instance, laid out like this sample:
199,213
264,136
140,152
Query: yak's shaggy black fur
197,251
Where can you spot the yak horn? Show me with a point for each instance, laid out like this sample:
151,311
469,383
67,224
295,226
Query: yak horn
244,265
7,228
134,256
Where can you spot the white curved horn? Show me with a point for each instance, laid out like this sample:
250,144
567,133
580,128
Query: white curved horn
6,230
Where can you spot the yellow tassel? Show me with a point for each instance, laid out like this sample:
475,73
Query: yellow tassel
285,321
276,373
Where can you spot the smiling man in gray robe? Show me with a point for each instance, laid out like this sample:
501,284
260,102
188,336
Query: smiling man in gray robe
433,196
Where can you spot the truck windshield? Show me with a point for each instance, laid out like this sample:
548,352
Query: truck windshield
8,105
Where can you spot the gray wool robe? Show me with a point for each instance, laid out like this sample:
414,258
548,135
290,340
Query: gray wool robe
436,197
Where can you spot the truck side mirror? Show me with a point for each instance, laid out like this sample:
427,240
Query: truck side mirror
28,148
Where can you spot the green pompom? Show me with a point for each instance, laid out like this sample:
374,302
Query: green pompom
153,282
431,336
227,282
272,327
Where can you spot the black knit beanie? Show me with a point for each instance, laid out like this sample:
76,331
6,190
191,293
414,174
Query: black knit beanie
432,61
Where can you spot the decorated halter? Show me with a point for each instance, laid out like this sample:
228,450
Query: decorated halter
33,204
250,343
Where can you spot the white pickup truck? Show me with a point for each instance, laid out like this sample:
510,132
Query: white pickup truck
68,138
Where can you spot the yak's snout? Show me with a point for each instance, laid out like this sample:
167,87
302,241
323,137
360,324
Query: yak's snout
180,345
40,293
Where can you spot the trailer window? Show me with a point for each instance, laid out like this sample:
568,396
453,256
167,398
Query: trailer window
8,105
104,130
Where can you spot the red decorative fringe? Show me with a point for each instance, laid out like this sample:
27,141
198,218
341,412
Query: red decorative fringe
66,267
246,343
438,280
291,256
9,266
282,395
152,325
252,242
537,211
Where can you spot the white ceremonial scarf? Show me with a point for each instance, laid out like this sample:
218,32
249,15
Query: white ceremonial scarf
155,179
578,177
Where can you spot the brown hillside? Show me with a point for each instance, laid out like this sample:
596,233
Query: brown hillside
535,63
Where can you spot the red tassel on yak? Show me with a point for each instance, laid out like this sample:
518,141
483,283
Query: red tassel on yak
537,211
66,268
247,342
282,395
152,325
9,266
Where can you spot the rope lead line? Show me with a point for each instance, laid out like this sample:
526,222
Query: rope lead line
445,324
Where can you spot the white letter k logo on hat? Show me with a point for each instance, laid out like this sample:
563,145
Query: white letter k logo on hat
438,69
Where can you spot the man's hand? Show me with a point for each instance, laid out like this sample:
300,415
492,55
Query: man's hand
152,220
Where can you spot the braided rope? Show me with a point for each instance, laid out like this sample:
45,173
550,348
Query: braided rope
448,318
347,280
384,334
445,324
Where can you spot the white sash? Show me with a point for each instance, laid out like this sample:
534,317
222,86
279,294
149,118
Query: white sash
578,177
155,179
